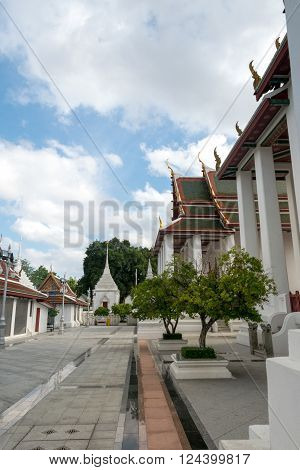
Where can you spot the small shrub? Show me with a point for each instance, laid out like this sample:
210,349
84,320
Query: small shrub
101,311
172,336
198,353
52,312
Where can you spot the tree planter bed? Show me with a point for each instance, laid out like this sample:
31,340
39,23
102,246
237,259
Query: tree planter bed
188,369
171,344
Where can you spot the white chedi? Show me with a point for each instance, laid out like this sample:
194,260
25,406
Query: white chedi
106,291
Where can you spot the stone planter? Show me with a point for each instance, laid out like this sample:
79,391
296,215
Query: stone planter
171,344
131,321
187,369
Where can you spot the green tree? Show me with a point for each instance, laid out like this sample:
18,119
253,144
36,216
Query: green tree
124,259
101,311
235,288
160,297
27,267
37,276
123,310
73,283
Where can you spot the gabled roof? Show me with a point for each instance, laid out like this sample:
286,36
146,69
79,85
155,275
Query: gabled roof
277,72
15,288
264,114
53,286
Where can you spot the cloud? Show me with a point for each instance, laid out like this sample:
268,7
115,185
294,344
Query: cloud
137,58
115,160
36,183
184,160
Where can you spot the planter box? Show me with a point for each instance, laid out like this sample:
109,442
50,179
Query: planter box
131,321
171,344
187,369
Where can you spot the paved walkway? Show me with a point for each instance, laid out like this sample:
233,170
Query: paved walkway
88,409
163,429
26,365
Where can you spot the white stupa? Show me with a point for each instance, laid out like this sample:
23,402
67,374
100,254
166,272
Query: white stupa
149,274
106,291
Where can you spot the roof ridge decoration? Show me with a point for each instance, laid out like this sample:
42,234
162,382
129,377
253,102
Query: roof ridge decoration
203,165
277,43
217,159
238,129
256,77
177,192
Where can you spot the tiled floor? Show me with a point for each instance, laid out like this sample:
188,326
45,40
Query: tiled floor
161,431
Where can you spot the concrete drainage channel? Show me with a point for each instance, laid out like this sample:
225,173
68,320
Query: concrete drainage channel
195,432
15,412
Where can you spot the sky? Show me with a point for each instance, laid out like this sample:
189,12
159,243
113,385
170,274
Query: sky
96,96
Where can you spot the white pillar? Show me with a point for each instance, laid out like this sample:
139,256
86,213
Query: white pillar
168,249
197,252
13,318
294,223
247,213
293,111
272,244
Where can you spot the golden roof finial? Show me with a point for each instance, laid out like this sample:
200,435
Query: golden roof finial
217,159
160,223
238,129
255,76
171,169
202,164
278,43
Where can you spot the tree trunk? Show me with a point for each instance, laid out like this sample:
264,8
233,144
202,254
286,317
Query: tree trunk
174,326
204,331
166,325
202,337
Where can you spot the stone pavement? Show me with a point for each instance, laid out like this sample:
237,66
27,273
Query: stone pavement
162,426
88,409
224,408
26,365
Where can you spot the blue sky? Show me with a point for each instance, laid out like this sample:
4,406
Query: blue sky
147,87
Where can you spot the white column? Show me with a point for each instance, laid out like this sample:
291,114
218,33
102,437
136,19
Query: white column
294,223
13,318
197,252
247,213
272,244
168,249
293,112
159,262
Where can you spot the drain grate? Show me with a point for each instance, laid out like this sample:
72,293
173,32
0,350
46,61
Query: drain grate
63,448
49,431
72,431
38,448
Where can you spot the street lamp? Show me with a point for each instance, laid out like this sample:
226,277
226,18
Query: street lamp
62,317
8,258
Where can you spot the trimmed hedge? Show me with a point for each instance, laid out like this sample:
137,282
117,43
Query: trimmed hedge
172,336
190,352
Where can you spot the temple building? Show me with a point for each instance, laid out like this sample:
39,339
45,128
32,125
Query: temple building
73,306
106,292
253,198
26,308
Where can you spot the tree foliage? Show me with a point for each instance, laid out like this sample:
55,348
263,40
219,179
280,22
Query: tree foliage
72,283
123,310
235,288
37,276
160,297
101,311
124,259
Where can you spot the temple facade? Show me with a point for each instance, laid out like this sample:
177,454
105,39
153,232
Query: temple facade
73,306
253,198
106,292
